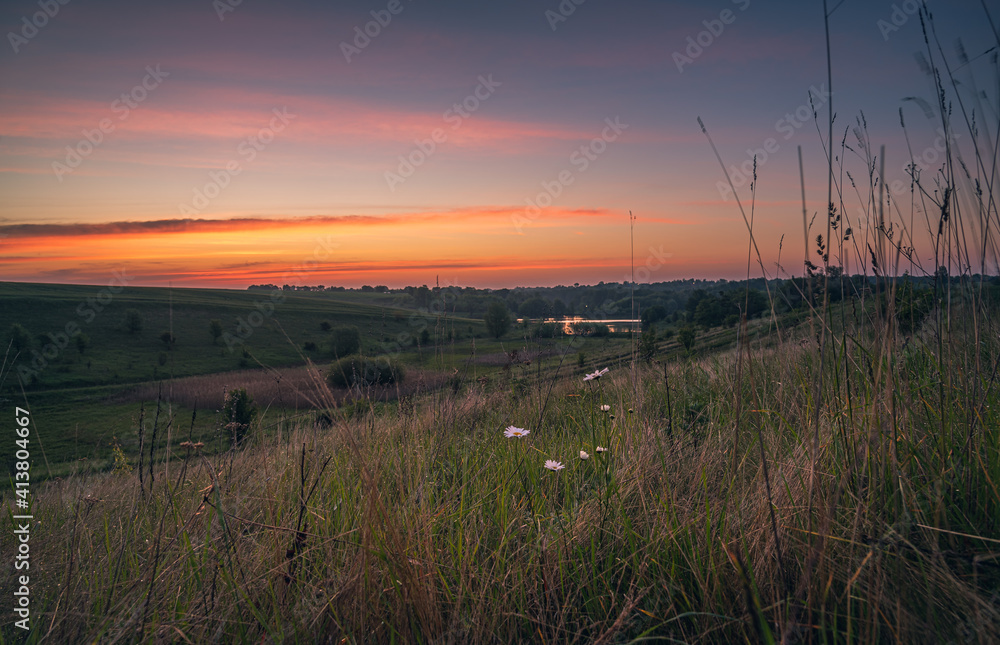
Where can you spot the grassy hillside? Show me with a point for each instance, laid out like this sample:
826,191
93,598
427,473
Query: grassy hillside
835,492
263,327
94,401
83,390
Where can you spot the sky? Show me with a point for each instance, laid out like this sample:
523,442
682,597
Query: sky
223,143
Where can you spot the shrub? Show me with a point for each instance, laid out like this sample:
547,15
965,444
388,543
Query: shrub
590,329
345,341
687,336
912,307
133,321
215,328
238,412
547,330
356,370
20,337
647,343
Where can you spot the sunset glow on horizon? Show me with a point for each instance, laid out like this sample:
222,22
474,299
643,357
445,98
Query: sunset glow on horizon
488,146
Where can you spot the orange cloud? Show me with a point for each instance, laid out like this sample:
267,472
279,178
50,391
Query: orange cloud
239,224
320,249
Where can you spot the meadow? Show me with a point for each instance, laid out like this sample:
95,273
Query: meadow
768,492
825,472
96,394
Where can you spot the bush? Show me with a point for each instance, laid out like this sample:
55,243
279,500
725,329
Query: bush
238,412
647,343
355,370
687,336
345,341
215,328
20,337
547,330
133,321
597,330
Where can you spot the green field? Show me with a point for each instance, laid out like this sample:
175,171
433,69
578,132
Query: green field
273,334
90,399
75,389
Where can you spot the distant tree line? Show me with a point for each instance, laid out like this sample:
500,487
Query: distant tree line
678,303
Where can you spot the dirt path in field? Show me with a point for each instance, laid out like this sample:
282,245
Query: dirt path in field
292,387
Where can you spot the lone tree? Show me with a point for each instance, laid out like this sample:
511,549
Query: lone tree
168,339
215,327
344,341
133,321
498,319
20,337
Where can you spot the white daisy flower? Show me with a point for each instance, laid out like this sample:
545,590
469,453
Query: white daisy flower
605,408
601,449
584,455
514,431
553,465
596,375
